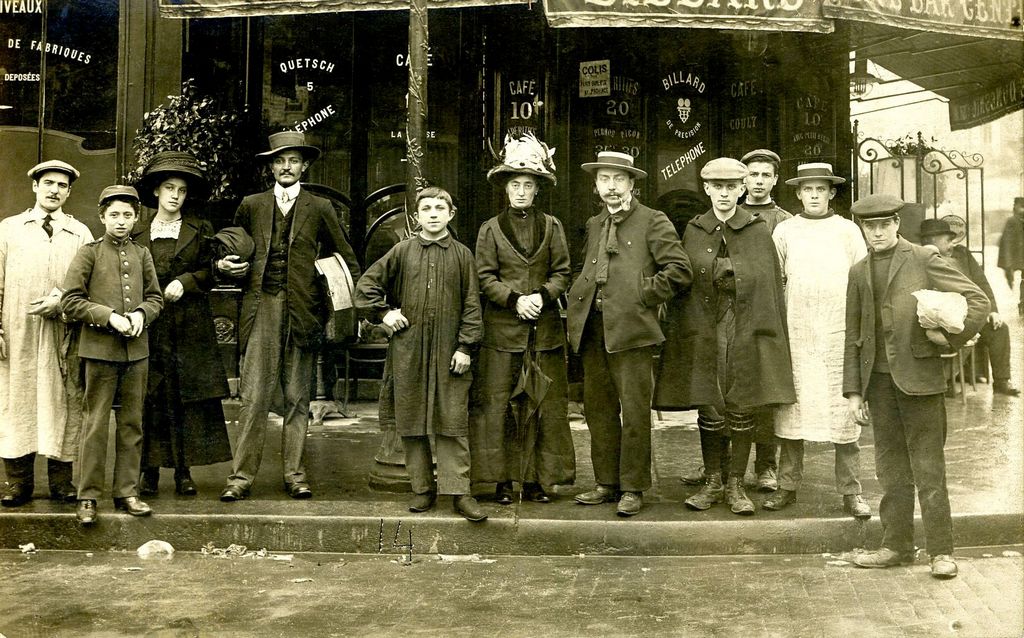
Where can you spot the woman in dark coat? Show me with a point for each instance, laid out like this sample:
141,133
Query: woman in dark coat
183,422
726,351
523,262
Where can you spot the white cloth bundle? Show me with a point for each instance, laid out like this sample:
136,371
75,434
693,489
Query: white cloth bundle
945,310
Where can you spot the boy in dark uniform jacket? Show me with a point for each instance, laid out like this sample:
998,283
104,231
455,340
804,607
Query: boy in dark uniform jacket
111,287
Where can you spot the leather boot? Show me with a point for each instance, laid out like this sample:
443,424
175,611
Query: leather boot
20,480
712,492
59,477
149,482
736,497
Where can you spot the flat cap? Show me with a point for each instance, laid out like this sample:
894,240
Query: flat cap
876,206
759,153
124,192
724,168
54,165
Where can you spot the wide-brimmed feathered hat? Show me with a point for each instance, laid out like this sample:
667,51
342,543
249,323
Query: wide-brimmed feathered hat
523,156
172,164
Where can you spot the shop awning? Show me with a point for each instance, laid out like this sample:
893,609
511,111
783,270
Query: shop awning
983,78
999,19
253,8
785,15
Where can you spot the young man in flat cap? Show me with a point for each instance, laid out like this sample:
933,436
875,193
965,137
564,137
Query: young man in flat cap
633,263
892,364
726,352
994,339
112,288
816,250
40,397
281,325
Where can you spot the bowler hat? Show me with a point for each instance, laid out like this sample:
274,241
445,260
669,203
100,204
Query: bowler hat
118,191
815,170
290,141
614,160
724,168
524,156
933,227
54,165
760,154
877,206
172,164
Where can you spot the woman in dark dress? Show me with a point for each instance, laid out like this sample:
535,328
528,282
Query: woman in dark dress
183,423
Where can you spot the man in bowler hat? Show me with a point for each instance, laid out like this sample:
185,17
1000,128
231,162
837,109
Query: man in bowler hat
892,364
634,262
281,323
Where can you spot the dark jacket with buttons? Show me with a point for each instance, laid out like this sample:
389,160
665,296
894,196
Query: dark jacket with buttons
914,361
648,270
105,277
760,360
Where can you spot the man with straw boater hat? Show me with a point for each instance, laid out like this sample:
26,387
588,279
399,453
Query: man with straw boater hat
40,396
633,263
281,324
523,263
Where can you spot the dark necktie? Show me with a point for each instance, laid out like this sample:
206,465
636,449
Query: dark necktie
47,226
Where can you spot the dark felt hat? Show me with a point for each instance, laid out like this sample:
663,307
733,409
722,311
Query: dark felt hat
290,141
876,206
172,164
933,227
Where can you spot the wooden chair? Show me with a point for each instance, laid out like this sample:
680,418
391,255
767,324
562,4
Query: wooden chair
956,360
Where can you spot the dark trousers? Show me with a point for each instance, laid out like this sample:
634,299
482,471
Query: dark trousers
273,367
910,432
994,347
617,392
106,381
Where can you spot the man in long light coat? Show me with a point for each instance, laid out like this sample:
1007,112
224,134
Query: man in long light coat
40,398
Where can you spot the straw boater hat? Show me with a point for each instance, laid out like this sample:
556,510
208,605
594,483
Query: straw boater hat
287,141
172,164
524,156
815,170
54,165
617,161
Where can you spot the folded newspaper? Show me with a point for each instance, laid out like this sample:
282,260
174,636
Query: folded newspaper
946,310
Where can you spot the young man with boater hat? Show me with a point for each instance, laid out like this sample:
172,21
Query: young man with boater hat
523,262
40,394
892,364
633,263
816,250
994,338
283,310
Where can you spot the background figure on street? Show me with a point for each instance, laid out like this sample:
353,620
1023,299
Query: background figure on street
892,366
816,250
633,263
1011,248
426,291
183,421
994,338
523,263
40,392
111,287
726,351
281,324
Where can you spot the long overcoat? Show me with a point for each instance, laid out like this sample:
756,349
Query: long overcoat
315,233
688,370
435,285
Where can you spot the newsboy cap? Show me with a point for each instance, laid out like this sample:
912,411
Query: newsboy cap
118,191
54,165
724,168
761,154
876,206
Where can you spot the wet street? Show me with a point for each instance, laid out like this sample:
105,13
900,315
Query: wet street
118,594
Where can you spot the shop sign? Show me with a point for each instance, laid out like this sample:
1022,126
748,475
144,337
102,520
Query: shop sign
811,125
770,15
986,105
974,18
595,78
684,119
618,119
21,6
52,48
522,106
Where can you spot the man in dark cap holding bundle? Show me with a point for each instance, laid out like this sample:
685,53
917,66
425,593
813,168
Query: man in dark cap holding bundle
634,262
40,397
281,324
892,364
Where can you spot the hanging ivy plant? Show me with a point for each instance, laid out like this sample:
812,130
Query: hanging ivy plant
188,122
